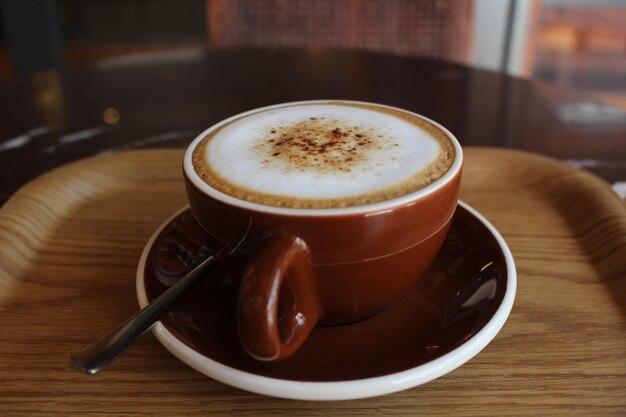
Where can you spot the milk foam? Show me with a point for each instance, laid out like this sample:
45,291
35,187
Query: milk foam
322,155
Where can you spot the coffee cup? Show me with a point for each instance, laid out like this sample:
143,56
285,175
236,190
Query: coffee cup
346,205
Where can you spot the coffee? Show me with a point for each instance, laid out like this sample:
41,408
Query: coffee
323,155
294,182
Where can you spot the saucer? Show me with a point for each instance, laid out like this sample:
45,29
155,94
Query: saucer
448,317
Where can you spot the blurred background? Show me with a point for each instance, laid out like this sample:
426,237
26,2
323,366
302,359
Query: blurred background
573,43
82,77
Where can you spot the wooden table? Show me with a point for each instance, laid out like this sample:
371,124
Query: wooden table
70,240
56,117
70,243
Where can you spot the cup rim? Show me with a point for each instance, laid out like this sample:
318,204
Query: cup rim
191,174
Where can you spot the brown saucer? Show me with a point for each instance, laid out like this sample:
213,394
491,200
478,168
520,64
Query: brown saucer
457,297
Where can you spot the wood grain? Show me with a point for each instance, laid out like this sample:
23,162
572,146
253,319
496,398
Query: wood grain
70,241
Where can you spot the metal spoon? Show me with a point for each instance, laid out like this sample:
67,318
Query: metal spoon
96,356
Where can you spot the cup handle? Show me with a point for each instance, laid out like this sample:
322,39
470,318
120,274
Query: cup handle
258,322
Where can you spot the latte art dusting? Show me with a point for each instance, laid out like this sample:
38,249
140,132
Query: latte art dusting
316,155
319,145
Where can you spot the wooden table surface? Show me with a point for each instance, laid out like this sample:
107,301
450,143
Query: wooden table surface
70,242
561,353
126,103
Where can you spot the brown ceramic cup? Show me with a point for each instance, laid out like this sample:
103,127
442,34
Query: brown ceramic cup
308,267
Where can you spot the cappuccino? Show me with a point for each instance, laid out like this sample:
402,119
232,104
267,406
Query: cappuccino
323,155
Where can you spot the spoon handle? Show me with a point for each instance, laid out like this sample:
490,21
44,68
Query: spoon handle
96,356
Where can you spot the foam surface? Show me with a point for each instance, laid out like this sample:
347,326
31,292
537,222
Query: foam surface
316,155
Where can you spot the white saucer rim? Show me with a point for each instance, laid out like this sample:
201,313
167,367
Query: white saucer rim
339,390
